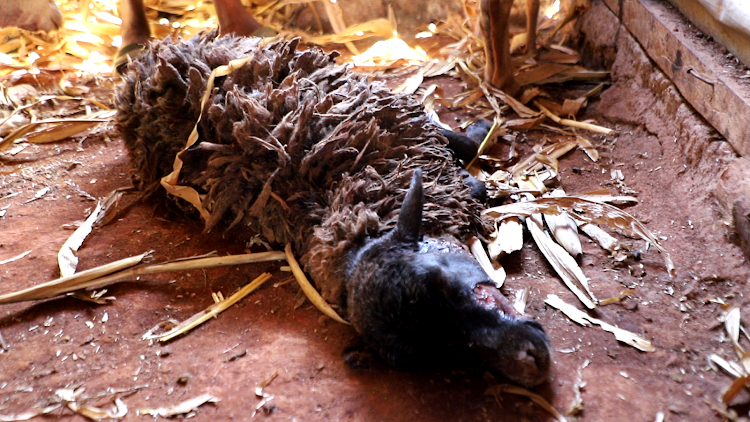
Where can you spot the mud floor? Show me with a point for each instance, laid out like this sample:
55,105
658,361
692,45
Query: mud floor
68,343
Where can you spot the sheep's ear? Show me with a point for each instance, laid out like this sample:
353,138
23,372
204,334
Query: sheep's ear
410,216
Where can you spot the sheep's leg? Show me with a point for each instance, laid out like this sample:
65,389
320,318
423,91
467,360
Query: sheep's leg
359,355
465,148
493,21
478,189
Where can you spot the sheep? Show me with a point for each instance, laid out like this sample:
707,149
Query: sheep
358,179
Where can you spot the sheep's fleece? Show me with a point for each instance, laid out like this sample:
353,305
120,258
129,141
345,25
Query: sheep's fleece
295,148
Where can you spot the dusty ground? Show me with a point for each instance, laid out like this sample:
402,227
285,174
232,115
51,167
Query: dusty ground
67,343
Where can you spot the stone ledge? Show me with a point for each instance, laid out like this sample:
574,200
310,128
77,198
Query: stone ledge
649,90
701,77
737,42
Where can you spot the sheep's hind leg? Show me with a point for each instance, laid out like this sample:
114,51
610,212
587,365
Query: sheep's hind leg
358,355
465,148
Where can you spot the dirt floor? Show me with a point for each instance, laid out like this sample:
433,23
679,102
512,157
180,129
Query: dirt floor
68,343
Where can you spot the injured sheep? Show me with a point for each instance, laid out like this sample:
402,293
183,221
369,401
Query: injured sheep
356,178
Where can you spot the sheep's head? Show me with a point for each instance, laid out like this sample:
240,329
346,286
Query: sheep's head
415,301
508,343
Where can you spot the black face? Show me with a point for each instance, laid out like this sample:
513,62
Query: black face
516,348
409,299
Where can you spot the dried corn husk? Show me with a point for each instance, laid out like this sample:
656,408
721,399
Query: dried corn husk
563,228
493,269
585,320
508,237
733,326
186,406
590,211
309,290
498,389
118,270
212,311
565,265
